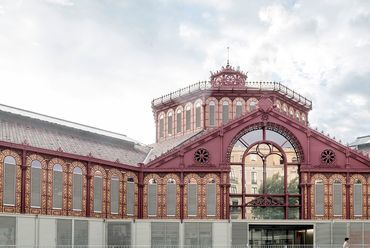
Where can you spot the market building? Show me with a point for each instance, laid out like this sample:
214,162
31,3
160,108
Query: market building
235,163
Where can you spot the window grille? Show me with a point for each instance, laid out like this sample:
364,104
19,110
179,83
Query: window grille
337,198
81,232
211,199
211,113
225,112
357,199
179,122
64,232
239,109
197,117
9,180
169,123
188,119
77,189
152,203
319,198
161,127
171,199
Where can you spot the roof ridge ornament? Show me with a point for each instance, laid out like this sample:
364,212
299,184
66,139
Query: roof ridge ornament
228,77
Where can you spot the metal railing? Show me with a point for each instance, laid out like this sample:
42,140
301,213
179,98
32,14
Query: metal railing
188,246
250,86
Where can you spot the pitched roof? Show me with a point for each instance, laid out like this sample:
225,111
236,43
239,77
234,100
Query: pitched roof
21,129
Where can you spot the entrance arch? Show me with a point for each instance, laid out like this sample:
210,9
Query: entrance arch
264,175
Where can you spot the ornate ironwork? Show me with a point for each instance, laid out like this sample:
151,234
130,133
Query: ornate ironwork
228,76
327,156
264,201
201,156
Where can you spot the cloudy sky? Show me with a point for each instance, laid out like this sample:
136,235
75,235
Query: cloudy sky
101,62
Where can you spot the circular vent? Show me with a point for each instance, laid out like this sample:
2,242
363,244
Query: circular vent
201,156
327,156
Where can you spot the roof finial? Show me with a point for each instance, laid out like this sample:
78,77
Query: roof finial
228,56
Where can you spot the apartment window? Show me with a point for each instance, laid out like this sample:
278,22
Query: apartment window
114,195
98,195
179,121
152,197
57,186
254,190
225,112
164,234
77,189
211,113
171,197
238,109
9,180
35,184
130,201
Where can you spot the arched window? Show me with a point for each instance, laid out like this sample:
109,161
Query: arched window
238,109
278,105
319,198
57,186
303,118
285,109
225,112
291,112
187,117
171,197
178,121
337,198
9,180
98,192
192,197
211,197
35,184
252,105
161,126
152,197
211,110
77,189
357,198
114,195
197,115
130,199
297,115
169,123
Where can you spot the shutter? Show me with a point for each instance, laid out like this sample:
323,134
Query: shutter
8,230
238,111
197,117
77,192
98,181
57,189
81,232
171,199
337,199
179,121
192,199
322,234
64,232
355,233
35,187
114,196
319,199
339,232
130,201
211,115
119,233
225,113
191,234
357,199
211,199
9,184
239,231
205,234
172,234
152,203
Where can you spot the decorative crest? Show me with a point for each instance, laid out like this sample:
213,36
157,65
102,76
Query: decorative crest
228,77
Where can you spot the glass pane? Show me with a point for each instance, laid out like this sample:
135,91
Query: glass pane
98,184
179,121
9,183
35,187
119,233
211,115
7,230
171,199
337,199
64,233
253,174
235,212
57,189
265,213
130,198
293,213
114,195
197,117
161,127
225,113
357,199
192,199
81,232
275,175
152,202
77,192
319,198
293,179
187,121
211,199
238,111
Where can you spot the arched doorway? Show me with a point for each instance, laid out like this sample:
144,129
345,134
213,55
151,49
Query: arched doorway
264,176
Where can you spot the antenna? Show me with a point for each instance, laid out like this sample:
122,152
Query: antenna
228,55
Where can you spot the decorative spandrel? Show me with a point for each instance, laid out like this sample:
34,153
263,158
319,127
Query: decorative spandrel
228,77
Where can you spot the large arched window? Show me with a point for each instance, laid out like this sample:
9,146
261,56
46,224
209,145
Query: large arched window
337,198
57,186
357,198
98,191
77,189
187,117
252,105
10,169
152,197
211,197
211,110
265,179
225,112
36,184
238,109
